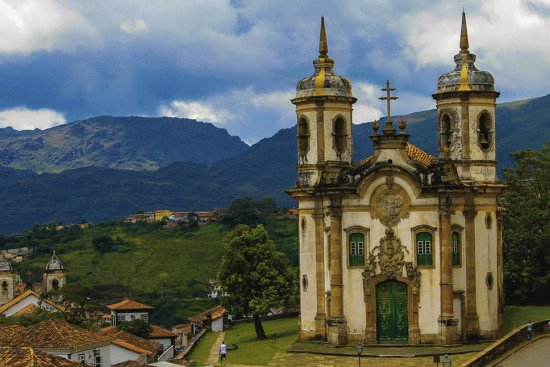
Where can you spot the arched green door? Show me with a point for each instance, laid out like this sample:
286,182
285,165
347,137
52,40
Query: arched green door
392,321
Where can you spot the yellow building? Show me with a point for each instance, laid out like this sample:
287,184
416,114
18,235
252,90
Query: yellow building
401,247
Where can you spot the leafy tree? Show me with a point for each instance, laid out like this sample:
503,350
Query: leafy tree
245,210
77,300
527,227
137,327
105,243
256,276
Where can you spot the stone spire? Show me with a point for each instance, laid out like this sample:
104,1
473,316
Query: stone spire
323,44
464,55
464,35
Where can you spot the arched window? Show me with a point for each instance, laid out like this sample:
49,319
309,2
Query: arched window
303,138
446,133
356,249
424,248
484,132
55,284
340,135
4,287
456,245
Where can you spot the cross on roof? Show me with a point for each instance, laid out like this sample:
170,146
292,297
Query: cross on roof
389,128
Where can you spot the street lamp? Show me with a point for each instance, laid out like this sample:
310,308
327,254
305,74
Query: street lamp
359,349
447,361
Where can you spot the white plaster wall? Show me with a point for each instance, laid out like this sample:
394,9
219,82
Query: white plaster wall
104,352
308,300
486,261
217,325
119,354
128,316
31,299
166,342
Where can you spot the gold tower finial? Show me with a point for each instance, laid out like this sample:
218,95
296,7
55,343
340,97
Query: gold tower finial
323,45
464,53
464,34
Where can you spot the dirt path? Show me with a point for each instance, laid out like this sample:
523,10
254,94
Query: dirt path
214,356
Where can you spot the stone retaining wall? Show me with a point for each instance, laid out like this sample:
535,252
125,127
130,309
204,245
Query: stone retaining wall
505,344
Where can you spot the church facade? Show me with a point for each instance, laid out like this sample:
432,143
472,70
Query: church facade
401,247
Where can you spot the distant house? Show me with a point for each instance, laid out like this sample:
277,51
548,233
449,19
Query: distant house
211,319
128,310
215,290
61,339
129,347
182,331
28,302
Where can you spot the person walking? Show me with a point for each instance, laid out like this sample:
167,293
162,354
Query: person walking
529,331
223,352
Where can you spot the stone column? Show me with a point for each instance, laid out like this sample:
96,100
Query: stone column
337,333
320,316
446,318
472,319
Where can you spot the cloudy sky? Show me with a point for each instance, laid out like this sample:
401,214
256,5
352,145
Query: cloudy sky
236,63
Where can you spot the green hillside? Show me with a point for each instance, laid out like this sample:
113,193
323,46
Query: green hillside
166,268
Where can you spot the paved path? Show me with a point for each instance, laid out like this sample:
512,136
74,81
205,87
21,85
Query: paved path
534,354
214,356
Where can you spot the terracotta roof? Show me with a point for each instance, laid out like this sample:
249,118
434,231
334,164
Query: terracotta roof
128,304
181,329
57,334
129,341
158,332
28,357
24,295
8,330
215,312
419,155
128,364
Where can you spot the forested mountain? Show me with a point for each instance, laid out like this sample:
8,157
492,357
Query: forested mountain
264,169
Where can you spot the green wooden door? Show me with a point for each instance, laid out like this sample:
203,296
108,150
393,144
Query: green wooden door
392,321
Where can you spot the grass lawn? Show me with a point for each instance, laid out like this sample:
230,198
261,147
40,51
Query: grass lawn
516,316
202,349
280,335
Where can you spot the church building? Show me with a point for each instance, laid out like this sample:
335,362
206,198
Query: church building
401,247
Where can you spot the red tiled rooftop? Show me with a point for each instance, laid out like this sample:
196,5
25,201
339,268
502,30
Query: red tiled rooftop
215,312
129,304
28,357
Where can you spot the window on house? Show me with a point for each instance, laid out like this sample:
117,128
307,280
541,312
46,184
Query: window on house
424,255
97,358
120,318
455,243
356,249
144,317
81,358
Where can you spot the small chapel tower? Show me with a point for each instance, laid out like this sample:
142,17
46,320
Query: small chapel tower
466,100
54,276
7,281
324,120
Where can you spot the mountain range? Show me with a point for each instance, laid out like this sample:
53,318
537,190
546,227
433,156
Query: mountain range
183,164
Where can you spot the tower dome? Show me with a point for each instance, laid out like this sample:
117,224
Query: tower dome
5,264
323,82
54,264
465,76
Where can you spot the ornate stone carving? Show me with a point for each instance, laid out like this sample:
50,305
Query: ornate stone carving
390,205
304,178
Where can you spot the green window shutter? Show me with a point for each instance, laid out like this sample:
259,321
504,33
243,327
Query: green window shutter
455,243
424,246
356,249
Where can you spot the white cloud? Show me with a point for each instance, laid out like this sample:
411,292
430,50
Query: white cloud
135,26
22,118
196,110
31,25
367,106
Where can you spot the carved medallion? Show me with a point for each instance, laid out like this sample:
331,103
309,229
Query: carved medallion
390,205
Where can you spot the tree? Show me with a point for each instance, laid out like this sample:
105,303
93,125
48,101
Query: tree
256,276
78,302
137,327
245,210
527,227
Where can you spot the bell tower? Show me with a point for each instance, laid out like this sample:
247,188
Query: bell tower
7,281
54,276
324,121
466,100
